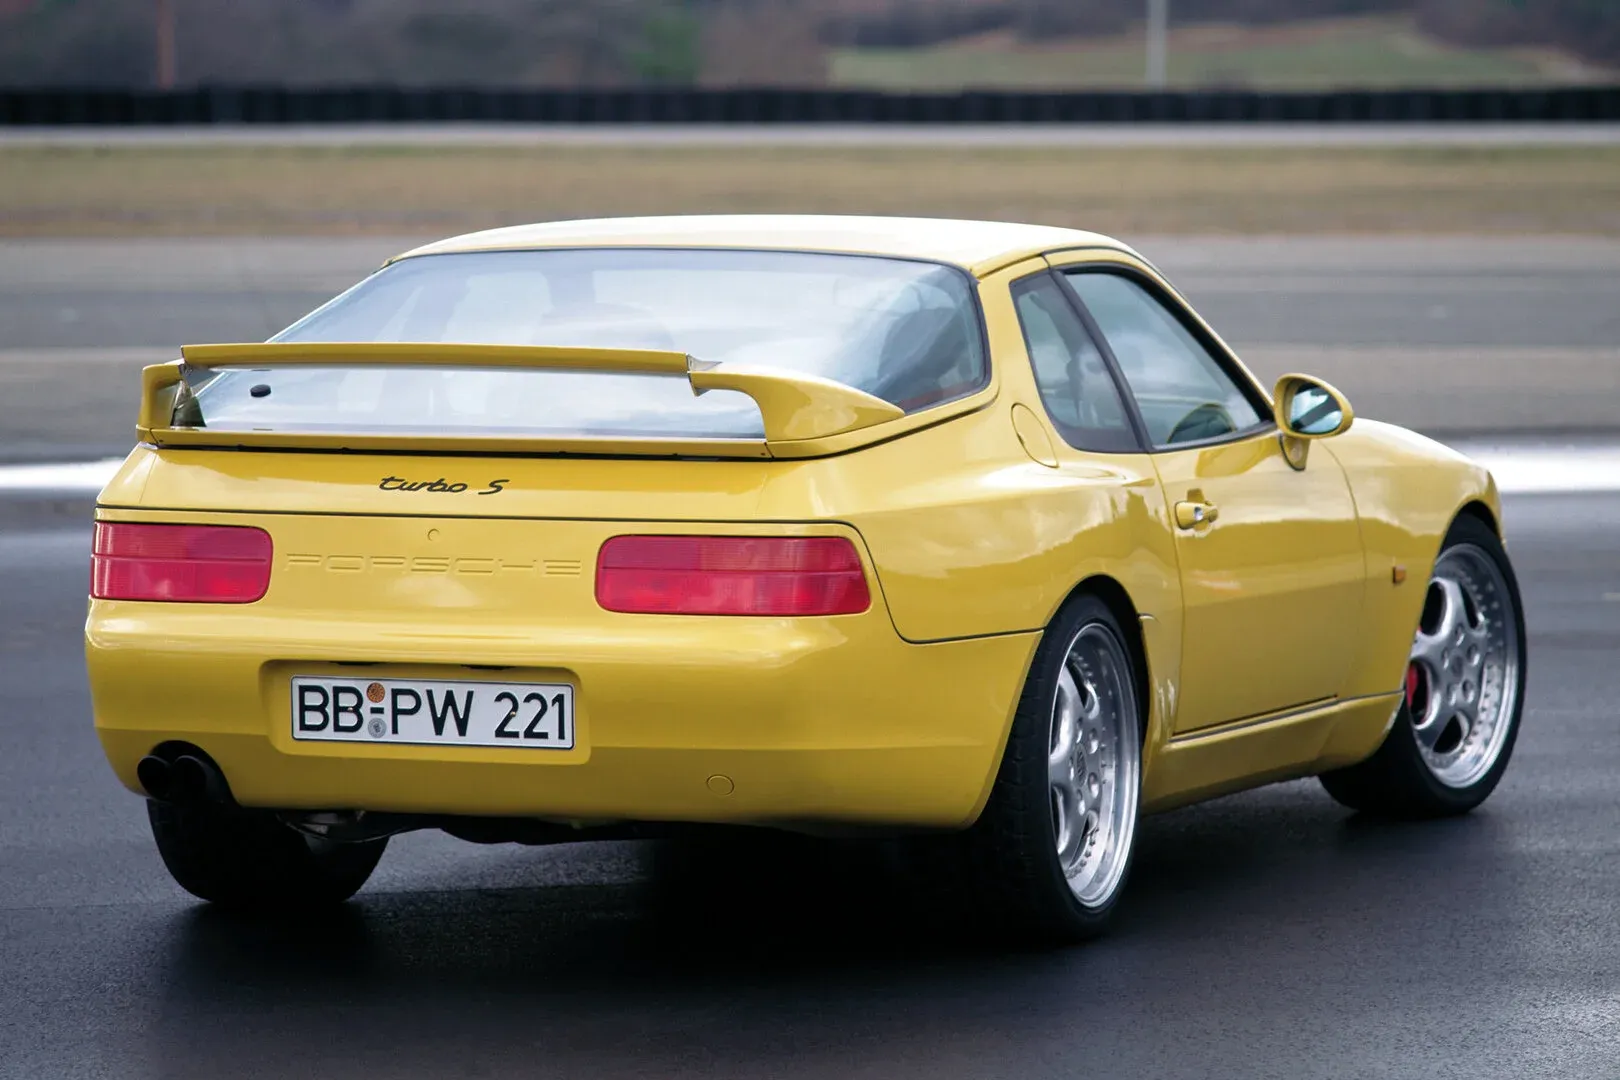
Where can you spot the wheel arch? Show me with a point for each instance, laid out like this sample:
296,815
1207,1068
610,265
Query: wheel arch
1113,595
1473,507
1477,508
1118,600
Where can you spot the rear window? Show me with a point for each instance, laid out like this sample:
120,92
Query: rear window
904,331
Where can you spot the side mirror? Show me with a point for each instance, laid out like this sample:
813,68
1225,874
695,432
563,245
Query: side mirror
1307,408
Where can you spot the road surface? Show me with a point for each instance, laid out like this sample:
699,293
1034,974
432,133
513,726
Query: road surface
1269,934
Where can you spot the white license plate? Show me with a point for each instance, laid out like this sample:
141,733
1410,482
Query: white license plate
530,716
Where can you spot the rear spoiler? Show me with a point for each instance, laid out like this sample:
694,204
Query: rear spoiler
794,407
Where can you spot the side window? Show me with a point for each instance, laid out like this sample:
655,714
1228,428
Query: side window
1075,385
1184,395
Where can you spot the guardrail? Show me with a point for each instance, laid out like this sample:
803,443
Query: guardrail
265,105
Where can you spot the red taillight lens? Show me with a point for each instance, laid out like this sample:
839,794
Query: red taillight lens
207,564
731,575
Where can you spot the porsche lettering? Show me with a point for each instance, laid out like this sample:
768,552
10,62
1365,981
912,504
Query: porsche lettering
477,566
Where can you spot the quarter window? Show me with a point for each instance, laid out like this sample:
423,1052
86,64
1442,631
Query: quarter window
1074,382
1182,391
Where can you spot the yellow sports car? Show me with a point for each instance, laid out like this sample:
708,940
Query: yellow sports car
832,524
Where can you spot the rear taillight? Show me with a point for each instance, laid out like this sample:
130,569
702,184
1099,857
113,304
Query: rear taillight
731,575
207,564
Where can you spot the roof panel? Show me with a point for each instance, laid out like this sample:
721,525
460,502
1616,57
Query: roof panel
979,246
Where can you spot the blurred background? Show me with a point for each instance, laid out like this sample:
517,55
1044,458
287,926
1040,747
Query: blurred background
891,44
1435,230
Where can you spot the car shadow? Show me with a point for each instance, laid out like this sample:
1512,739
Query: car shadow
743,945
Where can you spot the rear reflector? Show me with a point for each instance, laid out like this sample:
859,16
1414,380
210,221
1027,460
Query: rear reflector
731,575
207,564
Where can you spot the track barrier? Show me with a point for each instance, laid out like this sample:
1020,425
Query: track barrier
21,107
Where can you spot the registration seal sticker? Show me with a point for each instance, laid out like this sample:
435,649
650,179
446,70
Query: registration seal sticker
374,692
377,728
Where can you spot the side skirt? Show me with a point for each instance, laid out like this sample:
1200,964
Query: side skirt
1200,765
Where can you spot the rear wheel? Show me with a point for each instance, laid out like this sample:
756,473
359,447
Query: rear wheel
1464,690
1051,852
248,859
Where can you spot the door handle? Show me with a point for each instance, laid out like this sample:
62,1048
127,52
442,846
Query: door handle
1190,515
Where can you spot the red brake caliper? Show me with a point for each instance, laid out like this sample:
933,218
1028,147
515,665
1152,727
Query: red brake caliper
1413,681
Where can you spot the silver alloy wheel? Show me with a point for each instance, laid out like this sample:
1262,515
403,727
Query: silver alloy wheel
1093,764
1462,682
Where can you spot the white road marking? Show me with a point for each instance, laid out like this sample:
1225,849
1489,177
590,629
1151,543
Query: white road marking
1519,468
1549,469
86,477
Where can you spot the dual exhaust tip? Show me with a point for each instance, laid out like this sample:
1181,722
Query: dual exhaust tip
188,778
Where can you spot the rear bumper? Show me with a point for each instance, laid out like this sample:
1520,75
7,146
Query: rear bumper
765,721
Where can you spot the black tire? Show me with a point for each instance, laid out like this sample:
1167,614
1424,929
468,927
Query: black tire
1009,857
248,860
1396,782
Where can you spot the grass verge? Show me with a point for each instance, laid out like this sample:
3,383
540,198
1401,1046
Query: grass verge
246,190
1314,54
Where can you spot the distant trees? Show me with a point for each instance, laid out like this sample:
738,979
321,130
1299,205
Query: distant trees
589,42
909,23
1587,28
905,23
763,42
638,42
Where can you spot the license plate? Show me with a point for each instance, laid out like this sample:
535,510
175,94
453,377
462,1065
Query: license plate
530,716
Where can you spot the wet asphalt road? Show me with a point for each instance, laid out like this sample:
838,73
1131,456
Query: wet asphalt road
1269,934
